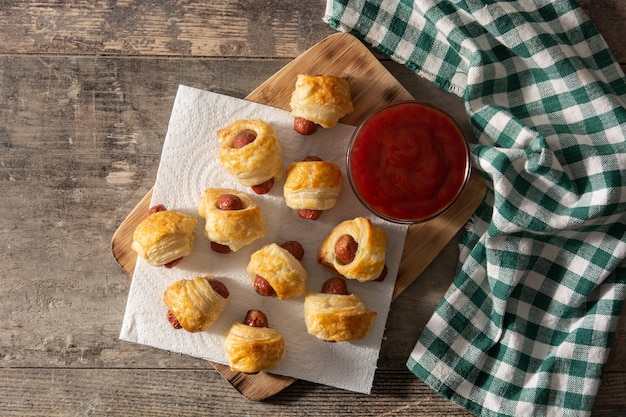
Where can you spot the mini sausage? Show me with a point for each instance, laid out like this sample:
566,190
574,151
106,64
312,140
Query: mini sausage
173,263
262,287
309,214
155,209
244,138
294,248
219,248
346,248
256,318
226,202
383,275
229,202
264,187
335,285
304,126
173,320
311,158
219,287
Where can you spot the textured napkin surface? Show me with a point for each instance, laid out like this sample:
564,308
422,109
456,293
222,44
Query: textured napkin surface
525,328
189,164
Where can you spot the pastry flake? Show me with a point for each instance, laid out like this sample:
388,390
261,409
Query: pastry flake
250,152
252,346
312,185
367,260
337,317
321,99
234,228
195,303
164,237
280,269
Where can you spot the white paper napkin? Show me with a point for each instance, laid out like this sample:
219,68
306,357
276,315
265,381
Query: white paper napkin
190,164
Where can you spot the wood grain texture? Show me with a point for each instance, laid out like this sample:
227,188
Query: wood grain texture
197,392
86,92
228,28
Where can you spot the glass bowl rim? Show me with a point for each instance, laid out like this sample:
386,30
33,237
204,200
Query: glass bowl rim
441,210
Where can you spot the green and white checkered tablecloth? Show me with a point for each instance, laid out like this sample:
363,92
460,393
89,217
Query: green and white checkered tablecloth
526,326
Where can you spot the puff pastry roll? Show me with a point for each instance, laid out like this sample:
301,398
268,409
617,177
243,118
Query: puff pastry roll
195,304
276,270
232,219
252,346
164,236
334,315
312,186
356,249
319,100
250,152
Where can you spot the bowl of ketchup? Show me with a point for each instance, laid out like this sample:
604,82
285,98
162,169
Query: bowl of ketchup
407,162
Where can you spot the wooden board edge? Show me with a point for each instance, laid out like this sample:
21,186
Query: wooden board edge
127,258
447,226
254,386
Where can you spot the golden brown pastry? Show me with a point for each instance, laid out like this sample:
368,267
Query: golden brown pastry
334,315
252,346
164,236
250,152
312,186
195,304
233,220
319,100
355,249
277,271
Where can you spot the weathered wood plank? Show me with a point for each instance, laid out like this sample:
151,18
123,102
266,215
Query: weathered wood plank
229,28
184,392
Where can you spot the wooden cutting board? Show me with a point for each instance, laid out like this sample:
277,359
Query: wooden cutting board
372,86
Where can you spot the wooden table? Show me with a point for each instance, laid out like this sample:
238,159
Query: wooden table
86,89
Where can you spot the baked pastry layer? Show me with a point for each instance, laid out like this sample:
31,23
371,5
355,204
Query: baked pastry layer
253,349
258,161
337,317
194,303
280,269
312,185
233,228
322,99
369,259
163,237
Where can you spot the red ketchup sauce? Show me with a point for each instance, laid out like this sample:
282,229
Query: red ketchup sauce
408,162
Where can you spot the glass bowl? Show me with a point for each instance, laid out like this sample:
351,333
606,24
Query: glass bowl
408,162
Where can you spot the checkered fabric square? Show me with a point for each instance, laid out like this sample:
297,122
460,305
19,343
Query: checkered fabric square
525,328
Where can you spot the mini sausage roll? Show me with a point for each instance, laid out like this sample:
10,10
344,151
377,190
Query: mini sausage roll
233,220
250,152
312,186
164,236
275,270
319,100
334,315
252,346
356,249
195,304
